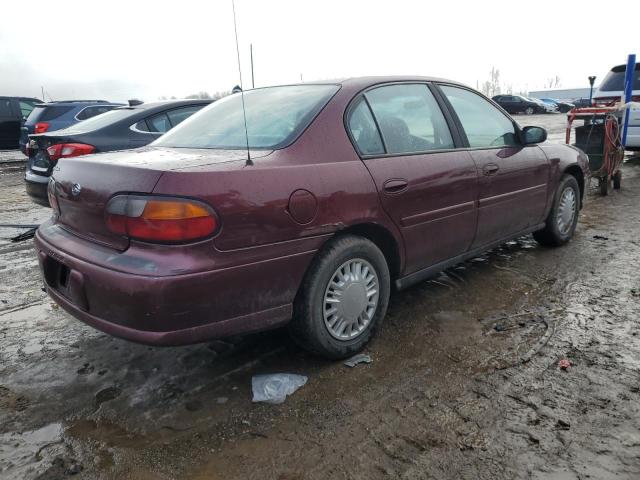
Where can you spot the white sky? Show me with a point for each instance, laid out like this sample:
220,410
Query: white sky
117,49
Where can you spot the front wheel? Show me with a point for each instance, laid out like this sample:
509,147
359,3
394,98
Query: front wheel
343,298
563,217
529,111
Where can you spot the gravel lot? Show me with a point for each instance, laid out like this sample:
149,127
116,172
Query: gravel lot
464,382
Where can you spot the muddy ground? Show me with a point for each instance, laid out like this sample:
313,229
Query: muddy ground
464,382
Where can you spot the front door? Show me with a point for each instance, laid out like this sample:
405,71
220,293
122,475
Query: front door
512,178
9,124
427,187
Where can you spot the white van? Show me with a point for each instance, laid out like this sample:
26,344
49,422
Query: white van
611,90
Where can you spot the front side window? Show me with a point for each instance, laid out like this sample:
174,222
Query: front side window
364,131
275,117
409,118
5,107
484,125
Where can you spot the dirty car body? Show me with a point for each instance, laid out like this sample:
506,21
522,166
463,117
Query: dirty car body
362,165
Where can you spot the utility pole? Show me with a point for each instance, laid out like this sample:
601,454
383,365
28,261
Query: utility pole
253,83
42,89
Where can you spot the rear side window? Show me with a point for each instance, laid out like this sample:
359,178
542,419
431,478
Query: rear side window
46,113
484,124
614,81
159,123
89,112
26,108
409,118
364,130
180,114
141,126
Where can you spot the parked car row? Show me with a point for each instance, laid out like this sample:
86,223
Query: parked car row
120,128
529,106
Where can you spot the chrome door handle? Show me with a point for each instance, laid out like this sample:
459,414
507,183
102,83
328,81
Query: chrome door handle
490,169
395,185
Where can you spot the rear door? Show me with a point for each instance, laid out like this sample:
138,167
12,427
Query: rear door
426,186
513,178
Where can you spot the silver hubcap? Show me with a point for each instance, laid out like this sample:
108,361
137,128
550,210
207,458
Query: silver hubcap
351,299
566,210
529,111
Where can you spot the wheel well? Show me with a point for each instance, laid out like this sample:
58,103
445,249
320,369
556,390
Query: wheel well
383,239
576,172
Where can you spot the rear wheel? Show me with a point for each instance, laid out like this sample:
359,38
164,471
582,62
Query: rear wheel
529,111
343,298
563,217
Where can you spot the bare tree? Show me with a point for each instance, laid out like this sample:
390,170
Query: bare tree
200,95
491,87
553,82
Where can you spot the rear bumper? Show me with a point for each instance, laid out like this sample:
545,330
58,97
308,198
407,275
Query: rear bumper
173,309
36,186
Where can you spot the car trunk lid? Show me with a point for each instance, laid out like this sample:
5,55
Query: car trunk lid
84,185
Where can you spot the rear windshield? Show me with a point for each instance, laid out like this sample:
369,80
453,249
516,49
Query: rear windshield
45,113
614,81
275,117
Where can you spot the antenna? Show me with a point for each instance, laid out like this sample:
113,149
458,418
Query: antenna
244,112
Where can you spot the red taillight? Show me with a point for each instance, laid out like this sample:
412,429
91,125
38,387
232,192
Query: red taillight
67,150
41,127
160,219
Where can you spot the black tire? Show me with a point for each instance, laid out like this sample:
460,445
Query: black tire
529,111
617,180
308,327
550,235
604,184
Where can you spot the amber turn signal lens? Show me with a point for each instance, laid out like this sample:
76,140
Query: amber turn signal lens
160,219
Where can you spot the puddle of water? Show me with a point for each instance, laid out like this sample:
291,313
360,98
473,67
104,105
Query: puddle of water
21,454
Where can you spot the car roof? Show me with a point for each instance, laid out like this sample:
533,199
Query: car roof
80,103
368,81
20,97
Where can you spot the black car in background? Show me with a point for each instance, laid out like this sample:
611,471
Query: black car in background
518,104
581,102
13,113
119,129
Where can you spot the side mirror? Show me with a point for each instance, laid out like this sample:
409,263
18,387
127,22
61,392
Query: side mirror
533,135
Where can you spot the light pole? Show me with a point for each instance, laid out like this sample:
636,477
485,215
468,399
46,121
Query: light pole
592,80
253,83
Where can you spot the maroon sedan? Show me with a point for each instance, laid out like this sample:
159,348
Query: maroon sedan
347,189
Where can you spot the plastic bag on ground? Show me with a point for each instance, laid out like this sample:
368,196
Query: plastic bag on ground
274,388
